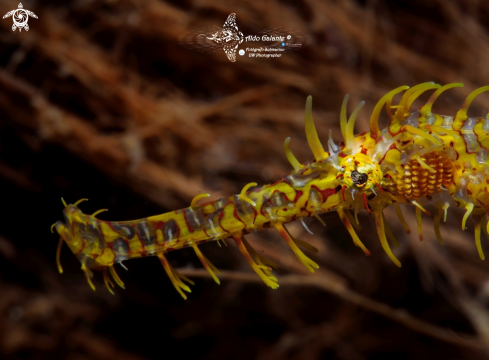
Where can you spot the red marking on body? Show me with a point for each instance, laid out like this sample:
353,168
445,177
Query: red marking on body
190,228
158,225
364,150
365,202
379,187
343,192
342,154
469,192
326,193
298,194
235,213
220,218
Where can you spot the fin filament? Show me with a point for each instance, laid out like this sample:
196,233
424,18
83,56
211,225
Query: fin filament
477,228
308,263
469,207
343,119
419,217
197,198
211,269
425,109
311,133
80,201
349,227
116,277
175,277
108,283
350,136
401,218
261,270
292,159
438,213
245,197
58,254
99,211
424,134
374,118
379,223
423,164
462,113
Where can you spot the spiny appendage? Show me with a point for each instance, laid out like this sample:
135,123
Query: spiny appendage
88,273
381,230
260,264
423,176
308,263
176,278
346,218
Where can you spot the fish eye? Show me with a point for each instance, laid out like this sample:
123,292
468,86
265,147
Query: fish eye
359,178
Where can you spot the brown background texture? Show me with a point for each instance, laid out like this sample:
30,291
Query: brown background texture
99,100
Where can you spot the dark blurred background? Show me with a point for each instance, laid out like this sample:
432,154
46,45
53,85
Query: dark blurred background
99,100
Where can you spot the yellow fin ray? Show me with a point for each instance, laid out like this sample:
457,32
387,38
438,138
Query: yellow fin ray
390,234
308,263
419,218
401,218
292,159
469,207
194,201
207,265
462,113
415,131
417,94
80,201
174,278
58,254
374,118
436,223
356,240
477,234
108,283
99,211
350,136
260,259
423,164
264,274
353,221
402,109
88,275
116,277
379,224
343,119
245,197
311,133
426,108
